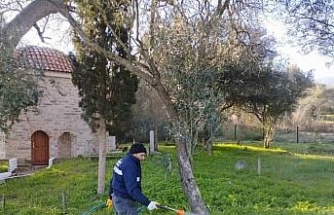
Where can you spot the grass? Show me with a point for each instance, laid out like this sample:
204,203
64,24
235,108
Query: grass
3,166
294,179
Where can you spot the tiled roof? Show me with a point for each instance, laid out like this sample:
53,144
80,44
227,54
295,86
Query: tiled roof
43,58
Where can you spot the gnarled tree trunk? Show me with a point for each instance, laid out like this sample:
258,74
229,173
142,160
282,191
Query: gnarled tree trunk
187,177
268,136
188,181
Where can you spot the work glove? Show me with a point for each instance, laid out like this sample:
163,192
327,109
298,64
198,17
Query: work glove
109,203
153,205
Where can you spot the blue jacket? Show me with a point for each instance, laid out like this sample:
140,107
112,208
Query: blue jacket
126,180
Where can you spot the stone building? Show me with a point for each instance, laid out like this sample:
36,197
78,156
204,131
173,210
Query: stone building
55,128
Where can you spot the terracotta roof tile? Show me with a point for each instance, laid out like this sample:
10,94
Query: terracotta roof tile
43,58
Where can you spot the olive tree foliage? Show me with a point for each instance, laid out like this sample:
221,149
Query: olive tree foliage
18,89
206,37
188,76
195,50
260,84
311,24
271,94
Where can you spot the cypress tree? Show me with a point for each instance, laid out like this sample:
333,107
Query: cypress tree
107,90
105,87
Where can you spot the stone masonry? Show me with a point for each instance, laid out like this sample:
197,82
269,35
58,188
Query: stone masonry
58,115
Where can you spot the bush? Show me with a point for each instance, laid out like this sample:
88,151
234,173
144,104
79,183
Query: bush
4,165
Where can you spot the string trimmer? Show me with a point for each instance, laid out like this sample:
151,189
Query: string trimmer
177,211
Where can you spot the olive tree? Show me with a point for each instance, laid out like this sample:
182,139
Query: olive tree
209,34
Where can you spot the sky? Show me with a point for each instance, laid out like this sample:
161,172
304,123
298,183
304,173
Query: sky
312,61
58,39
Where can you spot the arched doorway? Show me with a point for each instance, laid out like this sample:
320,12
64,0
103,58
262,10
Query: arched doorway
39,148
64,145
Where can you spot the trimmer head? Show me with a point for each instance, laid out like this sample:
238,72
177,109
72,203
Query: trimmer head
177,211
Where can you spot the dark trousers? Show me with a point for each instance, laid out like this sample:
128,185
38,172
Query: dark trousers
124,206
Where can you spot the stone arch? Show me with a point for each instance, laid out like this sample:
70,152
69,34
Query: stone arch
65,145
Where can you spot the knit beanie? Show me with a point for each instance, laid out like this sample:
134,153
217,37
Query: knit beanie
138,148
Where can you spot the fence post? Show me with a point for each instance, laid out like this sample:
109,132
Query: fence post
152,141
297,134
63,200
259,166
111,143
3,203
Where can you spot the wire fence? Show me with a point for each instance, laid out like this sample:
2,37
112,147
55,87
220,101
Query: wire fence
239,133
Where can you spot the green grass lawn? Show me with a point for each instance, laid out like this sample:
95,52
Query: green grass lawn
295,179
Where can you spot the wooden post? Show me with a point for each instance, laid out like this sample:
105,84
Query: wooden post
235,132
259,166
112,143
151,141
63,200
297,134
3,203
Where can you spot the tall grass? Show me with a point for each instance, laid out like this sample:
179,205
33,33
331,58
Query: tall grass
294,179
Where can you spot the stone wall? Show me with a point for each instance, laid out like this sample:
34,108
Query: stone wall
57,114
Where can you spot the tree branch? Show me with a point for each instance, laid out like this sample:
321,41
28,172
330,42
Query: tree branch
133,66
12,33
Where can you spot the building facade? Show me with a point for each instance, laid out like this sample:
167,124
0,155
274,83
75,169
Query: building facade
55,127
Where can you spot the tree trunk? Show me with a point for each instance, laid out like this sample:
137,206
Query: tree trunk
208,146
268,131
189,185
102,156
265,143
188,181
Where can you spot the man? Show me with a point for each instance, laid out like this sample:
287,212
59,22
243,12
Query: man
125,186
